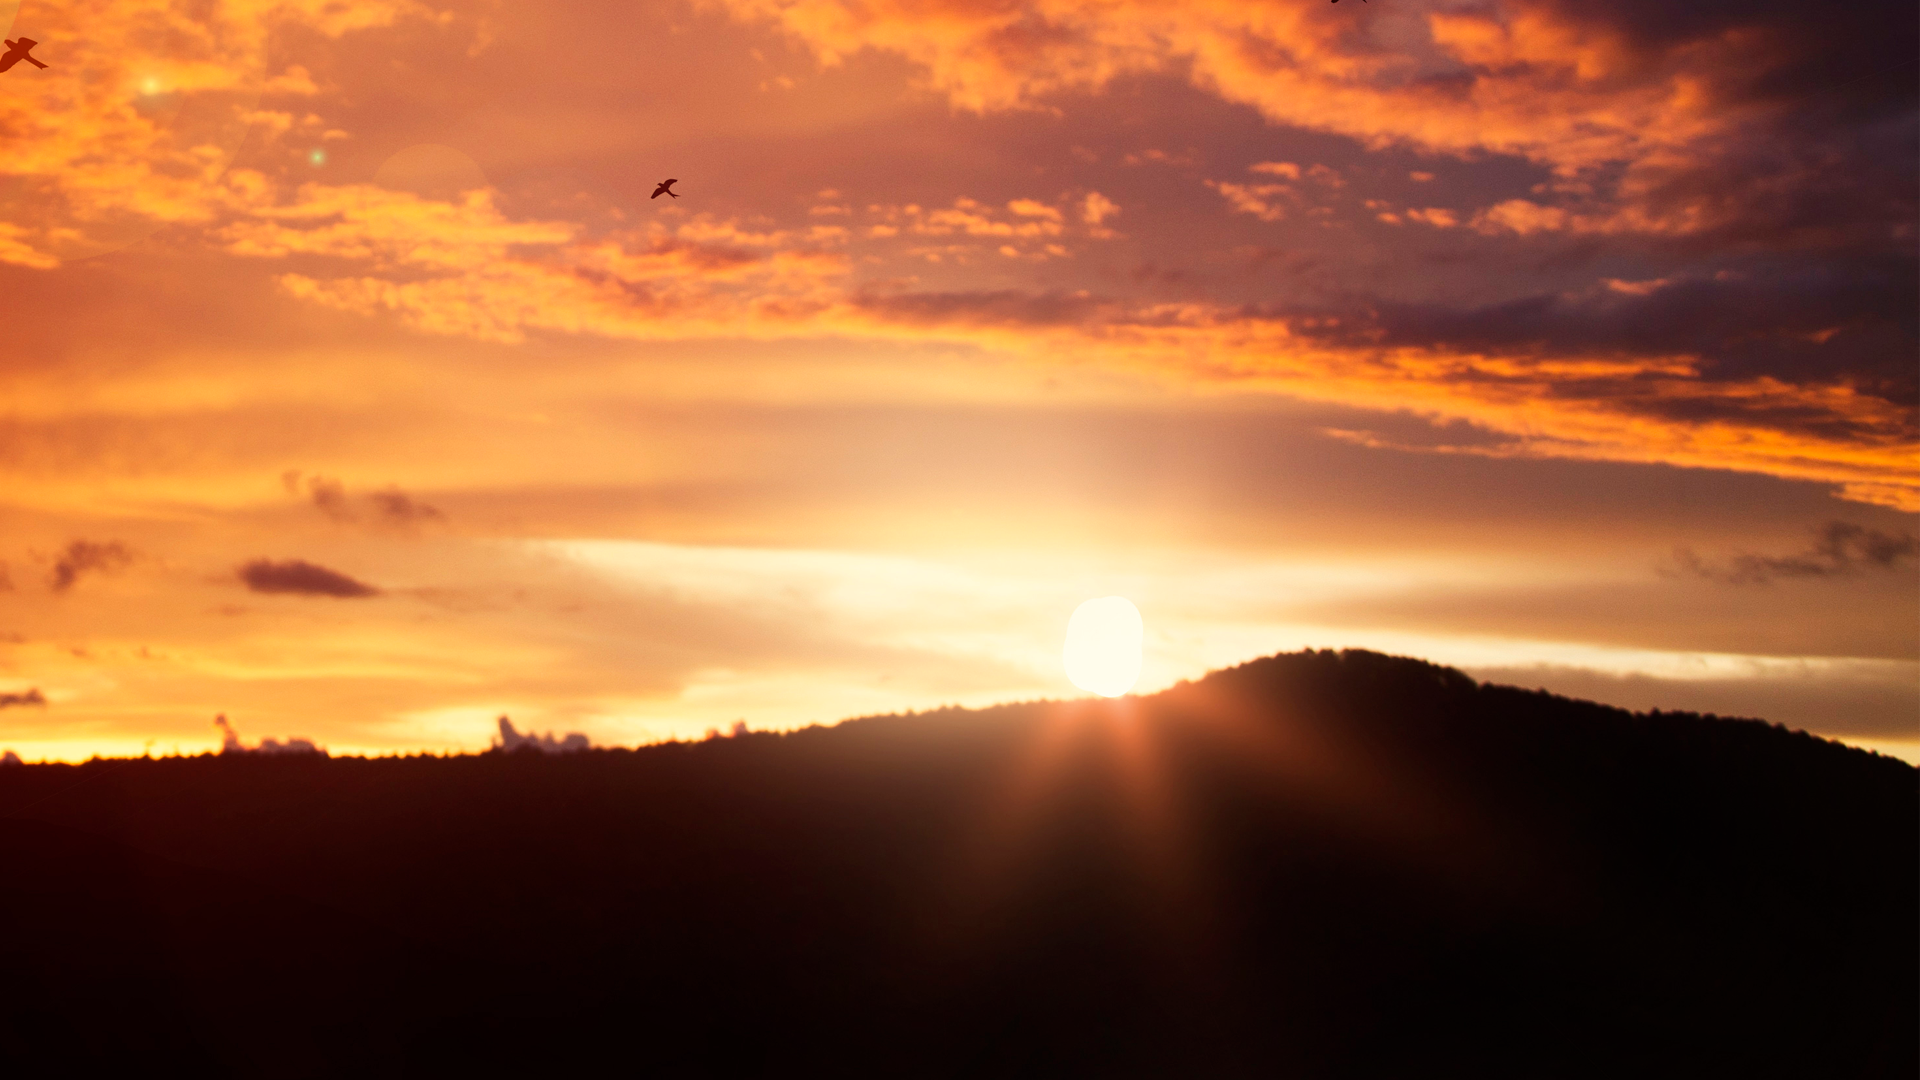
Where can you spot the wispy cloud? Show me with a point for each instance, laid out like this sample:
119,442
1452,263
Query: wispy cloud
1840,549
83,557
391,506
396,507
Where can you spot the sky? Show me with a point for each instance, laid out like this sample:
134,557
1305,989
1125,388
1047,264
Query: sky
355,389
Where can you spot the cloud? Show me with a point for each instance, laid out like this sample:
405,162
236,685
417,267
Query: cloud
231,744
464,268
1436,216
301,578
511,741
329,497
1097,208
396,507
389,507
1633,121
83,557
1611,376
142,107
1833,324
1260,200
1727,118
28,697
1840,549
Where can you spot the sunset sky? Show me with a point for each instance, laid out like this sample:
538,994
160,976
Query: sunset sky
355,389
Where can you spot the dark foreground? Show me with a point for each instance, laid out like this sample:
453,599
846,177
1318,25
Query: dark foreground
1317,865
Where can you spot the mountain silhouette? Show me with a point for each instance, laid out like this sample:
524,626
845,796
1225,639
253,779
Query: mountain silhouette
1313,865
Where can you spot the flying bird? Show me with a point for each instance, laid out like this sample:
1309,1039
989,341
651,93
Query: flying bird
18,51
665,188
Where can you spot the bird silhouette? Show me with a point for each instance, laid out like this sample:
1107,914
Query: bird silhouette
18,51
665,188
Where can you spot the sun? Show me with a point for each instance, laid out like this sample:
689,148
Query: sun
1102,653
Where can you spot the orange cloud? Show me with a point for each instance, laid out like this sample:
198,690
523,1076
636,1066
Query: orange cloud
464,268
1554,85
1255,199
139,111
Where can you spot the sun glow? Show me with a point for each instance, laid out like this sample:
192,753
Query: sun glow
1102,653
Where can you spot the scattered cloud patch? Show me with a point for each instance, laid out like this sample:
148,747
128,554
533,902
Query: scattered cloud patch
1438,217
1637,288
83,557
1260,200
23,698
396,507
1276,168
329,497
1095,209
1840,549
1520,217
1161,157
301,578
134,125
389,507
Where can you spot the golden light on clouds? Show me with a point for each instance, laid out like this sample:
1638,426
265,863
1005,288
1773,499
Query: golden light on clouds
1300,325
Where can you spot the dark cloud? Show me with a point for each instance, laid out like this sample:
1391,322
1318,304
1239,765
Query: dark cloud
231,744
1720,317
84,557
330,497
390,507
1839,549
1851,322
301,578
1823,155
1829,155
511,740
396,507
29,697
1861,53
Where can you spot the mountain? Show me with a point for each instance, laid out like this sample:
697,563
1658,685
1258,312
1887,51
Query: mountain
1313,865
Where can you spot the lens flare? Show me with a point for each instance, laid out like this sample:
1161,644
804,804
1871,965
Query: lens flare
1102,653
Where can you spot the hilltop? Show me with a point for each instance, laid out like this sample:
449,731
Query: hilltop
1315,865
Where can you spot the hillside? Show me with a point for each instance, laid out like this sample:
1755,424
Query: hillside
1314,865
